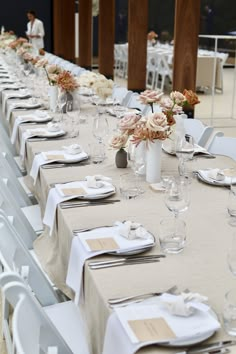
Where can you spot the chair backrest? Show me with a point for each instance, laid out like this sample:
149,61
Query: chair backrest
14,256
7,172
222,145
198,131
33,332
135,103
14,194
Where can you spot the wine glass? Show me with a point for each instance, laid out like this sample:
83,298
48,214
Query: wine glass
184,151
61,102
177,196
100,127
231,255
72,121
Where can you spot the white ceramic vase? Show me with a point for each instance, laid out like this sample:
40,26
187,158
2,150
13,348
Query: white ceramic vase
53,96
153,161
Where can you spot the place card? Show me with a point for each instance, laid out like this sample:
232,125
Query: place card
151,329
102,244
73,191
54,157
230,172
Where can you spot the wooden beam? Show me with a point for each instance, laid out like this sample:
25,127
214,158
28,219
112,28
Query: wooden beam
137,39
187,22
85,34
64,29
106,37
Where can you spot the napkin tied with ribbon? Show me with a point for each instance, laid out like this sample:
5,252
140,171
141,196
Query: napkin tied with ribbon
132,231
184,304
96,181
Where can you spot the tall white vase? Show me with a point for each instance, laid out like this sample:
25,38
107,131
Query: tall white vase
153,161
53,95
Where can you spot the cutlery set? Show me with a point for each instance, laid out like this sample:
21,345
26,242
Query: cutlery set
85,203
62,165
216,347
125,261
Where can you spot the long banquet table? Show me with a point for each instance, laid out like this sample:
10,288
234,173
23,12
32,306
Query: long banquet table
201,267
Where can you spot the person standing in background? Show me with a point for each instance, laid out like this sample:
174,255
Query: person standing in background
35,31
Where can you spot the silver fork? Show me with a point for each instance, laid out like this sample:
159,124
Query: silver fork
123,301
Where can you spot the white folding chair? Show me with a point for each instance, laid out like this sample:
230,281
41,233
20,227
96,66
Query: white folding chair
198,131
121,94
134,102
58,326
7,172
13,200
222,145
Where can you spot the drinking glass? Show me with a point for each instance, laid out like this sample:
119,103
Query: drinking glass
61,102
100,128
72,122
97,152
172,235
184,147
136,157
229,312
129,188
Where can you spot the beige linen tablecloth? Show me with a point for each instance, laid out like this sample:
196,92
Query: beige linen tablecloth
201,267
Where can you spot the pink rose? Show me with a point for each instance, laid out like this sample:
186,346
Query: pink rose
178,97
157,122
150,96
119,141
129,121
41,63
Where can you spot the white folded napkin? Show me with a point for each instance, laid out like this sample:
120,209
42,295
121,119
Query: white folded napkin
132,231
72,149
34,117
53,127
60,155
224,177
184,304
216,174
80,251
59,194
120,337
96,181
7,95
25,104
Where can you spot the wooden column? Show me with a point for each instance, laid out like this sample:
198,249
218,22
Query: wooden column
85,34
106,37
137,39
64,29
187,22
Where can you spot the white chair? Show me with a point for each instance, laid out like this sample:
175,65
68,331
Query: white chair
134,102
163,72
222,145
58,326
121,94
7,172
152,67
198,131
11,199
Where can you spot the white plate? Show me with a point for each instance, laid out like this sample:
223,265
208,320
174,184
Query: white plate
48,134
72,160
97,196
190,341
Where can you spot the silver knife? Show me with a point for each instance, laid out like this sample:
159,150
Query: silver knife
203,348
216,351
123,263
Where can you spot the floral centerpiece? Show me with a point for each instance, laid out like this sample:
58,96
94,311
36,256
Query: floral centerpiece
152,37
155,127
68,84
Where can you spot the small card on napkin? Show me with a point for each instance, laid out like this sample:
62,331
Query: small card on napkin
54,157
102,244
73,191
151,329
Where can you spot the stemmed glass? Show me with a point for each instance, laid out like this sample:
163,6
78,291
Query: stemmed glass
61,102
231,255
184,151
177,196
72,118
137,163
100,127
